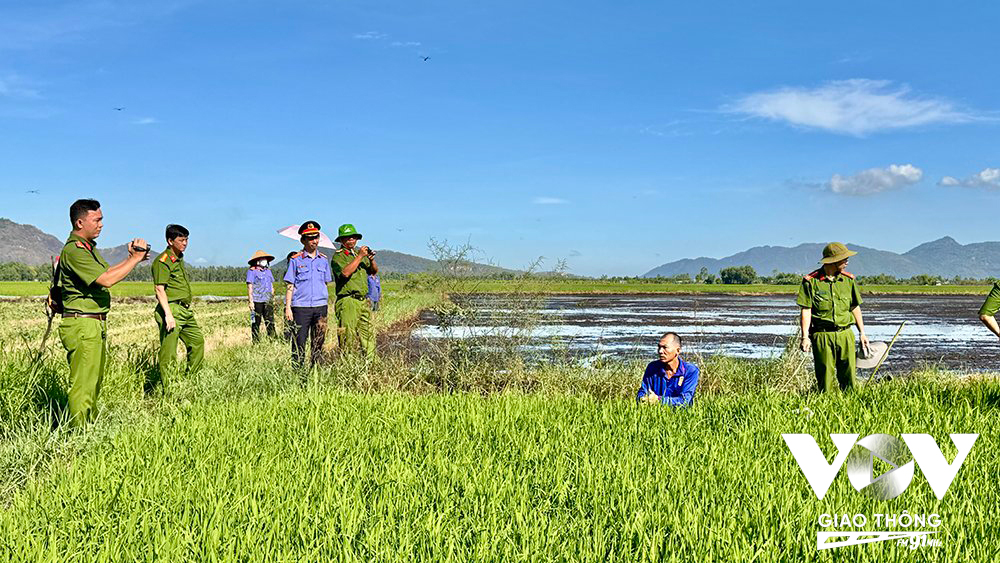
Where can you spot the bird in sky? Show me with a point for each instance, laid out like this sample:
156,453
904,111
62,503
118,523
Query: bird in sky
33,192
118,109
425,58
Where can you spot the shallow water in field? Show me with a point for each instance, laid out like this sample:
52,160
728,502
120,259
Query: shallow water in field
943,330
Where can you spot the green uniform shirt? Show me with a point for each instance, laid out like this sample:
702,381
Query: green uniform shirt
168,270
357,284
992,304
831,300
80,264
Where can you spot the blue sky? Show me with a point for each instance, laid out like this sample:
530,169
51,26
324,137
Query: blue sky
615,135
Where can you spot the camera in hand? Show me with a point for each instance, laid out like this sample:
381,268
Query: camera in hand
140,248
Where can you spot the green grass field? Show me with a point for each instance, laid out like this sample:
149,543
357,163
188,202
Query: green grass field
433,457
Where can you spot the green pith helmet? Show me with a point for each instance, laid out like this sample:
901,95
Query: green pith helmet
834,252
347,230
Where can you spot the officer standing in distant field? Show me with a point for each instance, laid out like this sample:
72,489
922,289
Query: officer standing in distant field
307,297
173,311
84,279
351,268
987,313
830,303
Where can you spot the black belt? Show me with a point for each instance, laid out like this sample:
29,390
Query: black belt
98,316
840,329
357,296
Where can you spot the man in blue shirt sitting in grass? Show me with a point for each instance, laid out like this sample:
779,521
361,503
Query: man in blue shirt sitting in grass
669,380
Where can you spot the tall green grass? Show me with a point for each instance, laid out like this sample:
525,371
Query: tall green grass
324,475
431,454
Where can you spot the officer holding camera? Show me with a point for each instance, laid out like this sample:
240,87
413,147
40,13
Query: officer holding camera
83,279
351,267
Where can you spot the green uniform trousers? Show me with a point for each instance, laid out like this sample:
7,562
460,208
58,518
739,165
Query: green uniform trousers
354,326
86,342
188,331
833,355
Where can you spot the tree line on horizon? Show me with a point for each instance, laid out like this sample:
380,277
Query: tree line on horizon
742,275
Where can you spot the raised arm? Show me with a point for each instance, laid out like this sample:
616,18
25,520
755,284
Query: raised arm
117,273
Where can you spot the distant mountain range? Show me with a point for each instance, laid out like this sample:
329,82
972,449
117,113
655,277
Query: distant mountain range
28,244
943,257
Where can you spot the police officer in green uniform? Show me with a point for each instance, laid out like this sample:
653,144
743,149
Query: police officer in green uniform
351,267
173,311
830,303
84,278
987,313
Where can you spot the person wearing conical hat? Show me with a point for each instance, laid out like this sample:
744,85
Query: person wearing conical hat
830,304
306,297
351,267
260,290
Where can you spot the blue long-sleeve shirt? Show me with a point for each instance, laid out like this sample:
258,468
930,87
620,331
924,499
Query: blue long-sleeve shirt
677,390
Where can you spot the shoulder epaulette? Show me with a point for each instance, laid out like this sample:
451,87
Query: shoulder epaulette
848,274
163,258
321,255
80,245
299,255
811,275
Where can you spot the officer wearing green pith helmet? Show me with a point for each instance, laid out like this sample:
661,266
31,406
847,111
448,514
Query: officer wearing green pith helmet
351,267
830,303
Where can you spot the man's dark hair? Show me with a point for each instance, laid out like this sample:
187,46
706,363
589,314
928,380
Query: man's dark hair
174,231
673,336
80,208
290,254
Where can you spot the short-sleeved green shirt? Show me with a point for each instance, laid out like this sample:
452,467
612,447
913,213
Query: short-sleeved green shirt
992,303
168,270
80,264
831,300
357,284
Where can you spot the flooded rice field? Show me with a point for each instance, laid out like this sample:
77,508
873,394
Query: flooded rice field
941,330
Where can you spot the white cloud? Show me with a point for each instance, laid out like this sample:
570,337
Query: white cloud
853,107
16,87
43,23
987,178
145,121
200,261
370,35
875,180
404,44
548,201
